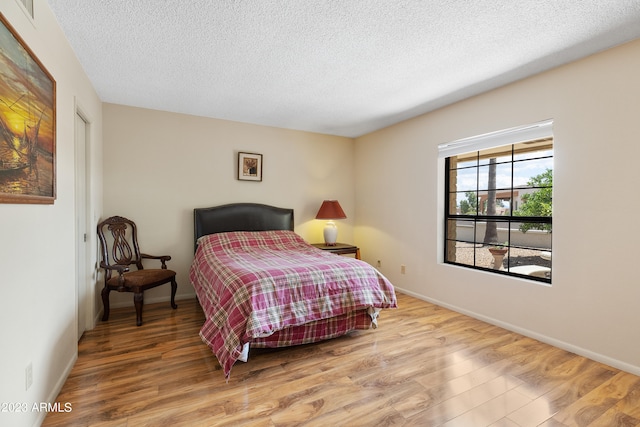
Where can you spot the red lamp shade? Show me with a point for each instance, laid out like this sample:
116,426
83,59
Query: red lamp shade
331,209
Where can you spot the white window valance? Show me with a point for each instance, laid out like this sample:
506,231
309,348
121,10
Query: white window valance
513,135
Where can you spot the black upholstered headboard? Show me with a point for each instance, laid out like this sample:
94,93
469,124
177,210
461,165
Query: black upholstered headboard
241,217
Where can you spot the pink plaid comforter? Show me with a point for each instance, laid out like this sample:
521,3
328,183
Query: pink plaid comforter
252,284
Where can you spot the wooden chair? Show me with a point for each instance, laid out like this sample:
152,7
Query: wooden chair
119,249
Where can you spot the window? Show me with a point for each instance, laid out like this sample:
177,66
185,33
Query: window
498,207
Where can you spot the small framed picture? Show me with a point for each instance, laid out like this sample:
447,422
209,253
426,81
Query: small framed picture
249,167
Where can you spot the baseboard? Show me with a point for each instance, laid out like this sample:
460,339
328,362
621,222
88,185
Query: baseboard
632,369
56,389
98,317
153,300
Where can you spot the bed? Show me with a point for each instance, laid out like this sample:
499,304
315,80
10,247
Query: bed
261,285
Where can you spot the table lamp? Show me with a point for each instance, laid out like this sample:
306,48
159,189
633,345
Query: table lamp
330,210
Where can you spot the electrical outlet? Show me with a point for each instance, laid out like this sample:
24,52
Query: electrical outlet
28,376
403,269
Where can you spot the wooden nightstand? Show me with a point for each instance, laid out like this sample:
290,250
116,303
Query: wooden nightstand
339,249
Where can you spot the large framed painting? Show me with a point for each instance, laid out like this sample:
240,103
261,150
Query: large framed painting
27,123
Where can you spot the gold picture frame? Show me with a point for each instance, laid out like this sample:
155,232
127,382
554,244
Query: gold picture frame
27,123
249,167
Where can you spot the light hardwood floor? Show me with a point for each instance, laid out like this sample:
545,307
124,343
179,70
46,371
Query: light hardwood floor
424,366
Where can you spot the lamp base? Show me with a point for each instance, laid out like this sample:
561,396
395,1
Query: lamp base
330,233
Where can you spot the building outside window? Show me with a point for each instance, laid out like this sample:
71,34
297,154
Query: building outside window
498,207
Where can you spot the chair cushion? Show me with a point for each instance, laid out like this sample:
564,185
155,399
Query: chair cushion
141,278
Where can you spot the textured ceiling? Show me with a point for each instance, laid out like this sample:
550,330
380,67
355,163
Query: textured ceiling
340,67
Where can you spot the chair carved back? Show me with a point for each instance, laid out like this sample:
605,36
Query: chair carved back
119,242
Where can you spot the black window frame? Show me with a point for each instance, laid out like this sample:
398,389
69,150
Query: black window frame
478,217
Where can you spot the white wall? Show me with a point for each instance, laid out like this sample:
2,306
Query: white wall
592,306
37,242
159,166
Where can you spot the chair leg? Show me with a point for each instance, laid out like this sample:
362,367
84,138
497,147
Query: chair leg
174,288
105,303
138,300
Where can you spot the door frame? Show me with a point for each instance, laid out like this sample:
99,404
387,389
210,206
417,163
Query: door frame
84,247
